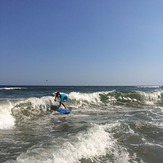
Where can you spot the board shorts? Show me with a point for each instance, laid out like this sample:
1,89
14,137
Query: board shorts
63,97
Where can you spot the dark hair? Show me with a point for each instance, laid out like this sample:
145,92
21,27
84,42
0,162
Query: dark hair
57,93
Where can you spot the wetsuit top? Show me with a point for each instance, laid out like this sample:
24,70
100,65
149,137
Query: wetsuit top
63,97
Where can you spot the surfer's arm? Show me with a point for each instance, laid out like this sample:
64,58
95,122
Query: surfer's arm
55,98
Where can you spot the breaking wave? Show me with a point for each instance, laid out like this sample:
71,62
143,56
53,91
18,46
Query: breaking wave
135,99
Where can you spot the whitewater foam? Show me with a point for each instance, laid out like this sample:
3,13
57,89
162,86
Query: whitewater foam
30,108
93,144
88,97
87,145
91,98
151,98
7,121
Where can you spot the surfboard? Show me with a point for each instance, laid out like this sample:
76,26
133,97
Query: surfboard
64,111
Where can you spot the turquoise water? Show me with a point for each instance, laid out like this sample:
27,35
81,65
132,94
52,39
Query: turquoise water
107,124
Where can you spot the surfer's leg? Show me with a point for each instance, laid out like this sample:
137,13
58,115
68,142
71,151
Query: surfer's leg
64,105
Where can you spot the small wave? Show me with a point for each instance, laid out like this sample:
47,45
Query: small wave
89,144
149,86
85,145
11,88
92,145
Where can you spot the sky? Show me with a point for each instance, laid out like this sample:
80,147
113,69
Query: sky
81,42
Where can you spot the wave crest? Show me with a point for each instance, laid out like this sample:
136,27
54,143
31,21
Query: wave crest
135,99
31,108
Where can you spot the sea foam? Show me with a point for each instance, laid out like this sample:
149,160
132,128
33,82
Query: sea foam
7,121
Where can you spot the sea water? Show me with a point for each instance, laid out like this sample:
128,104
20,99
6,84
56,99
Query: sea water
107,125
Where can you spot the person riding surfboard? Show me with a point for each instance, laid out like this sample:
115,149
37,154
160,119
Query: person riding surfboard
62,97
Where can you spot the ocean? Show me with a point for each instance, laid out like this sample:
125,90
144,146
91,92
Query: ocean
108,124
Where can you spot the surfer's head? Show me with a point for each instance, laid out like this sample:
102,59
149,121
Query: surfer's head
57,94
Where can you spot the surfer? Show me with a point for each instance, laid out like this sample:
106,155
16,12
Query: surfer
63,98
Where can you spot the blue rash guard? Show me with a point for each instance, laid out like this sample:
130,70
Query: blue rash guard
63,97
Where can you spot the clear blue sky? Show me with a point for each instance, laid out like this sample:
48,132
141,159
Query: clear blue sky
81,42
